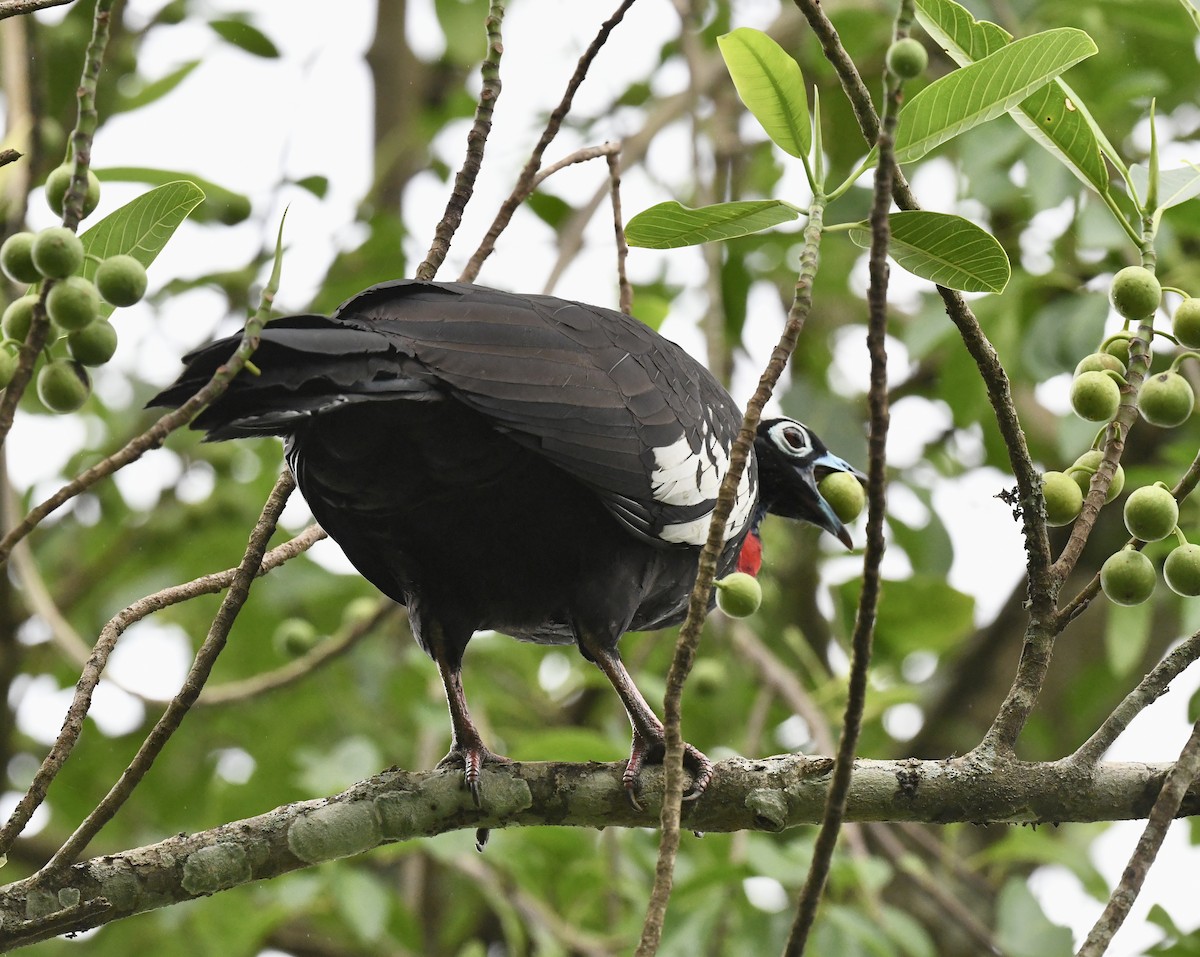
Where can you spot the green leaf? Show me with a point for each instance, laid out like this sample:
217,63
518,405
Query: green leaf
316,184
156,89
670,225
1054,117
141,227
771,85
220,204
945,249
983,90
1175,186
245,37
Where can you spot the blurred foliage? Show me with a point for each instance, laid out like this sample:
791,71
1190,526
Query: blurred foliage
553,891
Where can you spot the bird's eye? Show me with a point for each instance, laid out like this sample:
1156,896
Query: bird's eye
796,439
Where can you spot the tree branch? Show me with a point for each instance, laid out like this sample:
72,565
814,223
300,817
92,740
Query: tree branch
766,794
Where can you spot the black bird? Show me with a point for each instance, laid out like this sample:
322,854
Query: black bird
521,463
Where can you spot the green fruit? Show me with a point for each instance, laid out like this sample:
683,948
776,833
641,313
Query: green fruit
1086,465
59,181
738,595
9,356
1135,292
844,493
57,252
907,58
63,385
1182,570
73,303
1151,513
121,280
18,317
1185,323
1100,362
294,637
1118,345
1166,400
16,258
1063,498
1095,396
1127,577
93,345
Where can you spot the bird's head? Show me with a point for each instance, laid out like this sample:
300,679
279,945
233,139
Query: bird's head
792,459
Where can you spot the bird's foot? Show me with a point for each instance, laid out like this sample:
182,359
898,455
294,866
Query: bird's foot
644,752
472,757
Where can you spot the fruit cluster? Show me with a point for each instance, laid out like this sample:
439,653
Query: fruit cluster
56,256
1165,399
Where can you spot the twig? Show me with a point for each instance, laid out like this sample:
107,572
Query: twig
97,660
464,182
689,633
1166,806
332,647
614,177
868,603
1153,686
17,8
205,658
526,183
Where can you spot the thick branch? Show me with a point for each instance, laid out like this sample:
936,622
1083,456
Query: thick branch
765,794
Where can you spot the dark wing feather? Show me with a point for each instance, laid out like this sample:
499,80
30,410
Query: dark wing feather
593,390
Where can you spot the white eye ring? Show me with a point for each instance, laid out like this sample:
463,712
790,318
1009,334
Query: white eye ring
792,438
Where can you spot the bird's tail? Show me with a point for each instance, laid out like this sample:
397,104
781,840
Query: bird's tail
304,365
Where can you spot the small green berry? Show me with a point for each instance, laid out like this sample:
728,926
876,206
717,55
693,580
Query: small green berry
738,595
1095,396
121,280
63,385
1182,570
18,317
906,58
1127,577
93,345
1135,292
1166,400
844,493
1086,465
1064,500
1151,513
73,303
1186,323
57,252
16,259
59,181
1118,345
1100,362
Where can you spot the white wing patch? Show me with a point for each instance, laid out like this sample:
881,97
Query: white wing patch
684,478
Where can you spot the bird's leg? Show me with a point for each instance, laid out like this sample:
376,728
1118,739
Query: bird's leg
466,745
649,738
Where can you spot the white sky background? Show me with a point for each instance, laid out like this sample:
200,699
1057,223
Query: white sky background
241,121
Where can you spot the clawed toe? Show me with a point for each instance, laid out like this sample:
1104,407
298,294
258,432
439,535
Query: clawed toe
472,759
642,752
